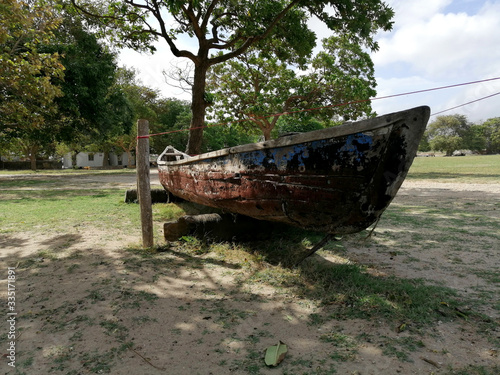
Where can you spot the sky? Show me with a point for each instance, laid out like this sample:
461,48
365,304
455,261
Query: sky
433,43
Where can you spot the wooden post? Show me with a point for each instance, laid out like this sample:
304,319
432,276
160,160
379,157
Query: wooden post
143,182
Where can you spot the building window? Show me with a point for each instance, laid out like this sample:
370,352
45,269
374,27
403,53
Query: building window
91,157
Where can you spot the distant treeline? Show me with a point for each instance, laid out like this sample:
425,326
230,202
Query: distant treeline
455,132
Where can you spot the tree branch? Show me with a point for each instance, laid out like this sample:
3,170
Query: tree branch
209,12
251,40
164,33
194,22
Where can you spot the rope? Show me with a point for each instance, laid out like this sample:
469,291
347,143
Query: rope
464,104
345,104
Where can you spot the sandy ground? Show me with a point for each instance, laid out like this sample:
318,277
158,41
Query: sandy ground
96,308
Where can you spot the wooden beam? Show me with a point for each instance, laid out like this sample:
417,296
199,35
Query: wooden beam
143,183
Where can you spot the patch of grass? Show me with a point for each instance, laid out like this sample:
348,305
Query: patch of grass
345,346
490,276
449,223
28,362
72,267
60,356
47,254
277,276
65,172
468,169
132,299
225,316
115,329
96,296
167,211
347,290
19,184
476,370
39,210
143,319
99,362
358,294
401,347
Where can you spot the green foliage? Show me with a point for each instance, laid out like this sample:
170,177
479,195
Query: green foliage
230,28
257,88
455,132
92,102
57,83
27,74
287,124
173,116
448,133
447,144
490,130
424,145
218,137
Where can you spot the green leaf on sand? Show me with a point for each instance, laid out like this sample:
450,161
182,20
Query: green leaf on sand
275,354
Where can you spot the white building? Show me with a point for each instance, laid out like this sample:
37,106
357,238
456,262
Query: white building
95,160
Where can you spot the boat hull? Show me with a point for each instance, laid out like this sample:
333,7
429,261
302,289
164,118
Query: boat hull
337,180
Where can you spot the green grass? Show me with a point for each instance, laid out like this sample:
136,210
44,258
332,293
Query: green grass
56,209
63,172
465,169
16,183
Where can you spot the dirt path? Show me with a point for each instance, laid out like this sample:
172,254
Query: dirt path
86,305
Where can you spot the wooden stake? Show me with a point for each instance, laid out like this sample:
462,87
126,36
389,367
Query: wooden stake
143,183
319,245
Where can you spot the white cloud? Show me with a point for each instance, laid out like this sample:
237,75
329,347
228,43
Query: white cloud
412,11
481,110
387,87
150,67
438,45
444,44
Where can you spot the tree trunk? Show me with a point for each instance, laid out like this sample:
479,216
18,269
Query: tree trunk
198,108
33,161
33,151
74,155
267,133
131,160
105,159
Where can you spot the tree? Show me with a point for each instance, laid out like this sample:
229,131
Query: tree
475,139
424,145
449,133
491,133
174,117
92,108
27,89
230,28
142,101
257,87
92,103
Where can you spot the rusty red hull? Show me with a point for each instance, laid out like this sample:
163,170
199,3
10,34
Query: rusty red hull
337,180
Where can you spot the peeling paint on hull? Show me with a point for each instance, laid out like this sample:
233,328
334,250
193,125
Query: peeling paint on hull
337,180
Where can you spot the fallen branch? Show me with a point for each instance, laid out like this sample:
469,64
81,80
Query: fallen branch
431,362
147,360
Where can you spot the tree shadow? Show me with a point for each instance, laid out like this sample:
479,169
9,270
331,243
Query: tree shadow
11,241
108,309
450,176
61,242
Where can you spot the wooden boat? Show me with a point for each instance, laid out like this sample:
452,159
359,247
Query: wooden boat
337,180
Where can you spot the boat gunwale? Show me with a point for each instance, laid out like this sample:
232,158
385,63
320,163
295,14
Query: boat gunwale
370,124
